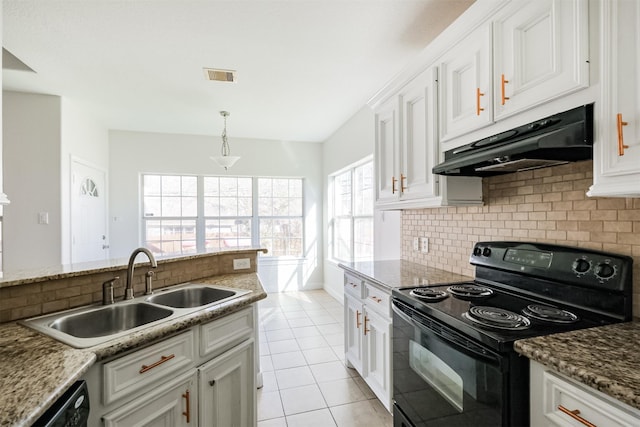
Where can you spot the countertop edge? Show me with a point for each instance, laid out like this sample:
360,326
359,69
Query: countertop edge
85,358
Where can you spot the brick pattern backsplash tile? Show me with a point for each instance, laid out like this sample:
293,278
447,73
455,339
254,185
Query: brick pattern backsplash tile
545,205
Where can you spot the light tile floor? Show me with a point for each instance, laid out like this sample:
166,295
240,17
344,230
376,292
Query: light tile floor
306,382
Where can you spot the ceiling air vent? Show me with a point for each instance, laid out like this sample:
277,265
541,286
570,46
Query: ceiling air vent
218,75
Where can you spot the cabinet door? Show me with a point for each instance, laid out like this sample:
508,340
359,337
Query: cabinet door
465,85
353,318
227,389
418,138
617,154
377,340
172,404
387,182
541,52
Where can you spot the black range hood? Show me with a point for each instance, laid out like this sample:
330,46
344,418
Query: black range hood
561,138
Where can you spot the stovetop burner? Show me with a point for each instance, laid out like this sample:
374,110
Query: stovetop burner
547,313
469,291
428,294
494,317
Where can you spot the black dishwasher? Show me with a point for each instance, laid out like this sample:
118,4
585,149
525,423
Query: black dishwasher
70,410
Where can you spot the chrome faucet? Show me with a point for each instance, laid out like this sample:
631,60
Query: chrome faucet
128,292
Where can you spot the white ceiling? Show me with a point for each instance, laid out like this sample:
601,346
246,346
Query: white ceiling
304,66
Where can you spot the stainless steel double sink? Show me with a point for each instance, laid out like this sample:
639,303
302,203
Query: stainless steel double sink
89,326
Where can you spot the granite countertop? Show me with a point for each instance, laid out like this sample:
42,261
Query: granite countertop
35,370
606,358
400,273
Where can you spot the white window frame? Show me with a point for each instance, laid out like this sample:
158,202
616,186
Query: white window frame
352,217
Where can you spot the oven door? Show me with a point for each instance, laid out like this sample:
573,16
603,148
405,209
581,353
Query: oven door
440,378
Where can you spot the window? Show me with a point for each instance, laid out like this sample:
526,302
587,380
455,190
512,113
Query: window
351,208
190,214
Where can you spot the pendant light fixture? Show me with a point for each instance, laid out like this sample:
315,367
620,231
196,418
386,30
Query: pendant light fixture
226,160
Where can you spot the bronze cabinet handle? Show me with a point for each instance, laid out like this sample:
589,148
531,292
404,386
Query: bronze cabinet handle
478,95
393,184
358,319
187,413
402,180
145,368
502,89
575,414
621,145
365,325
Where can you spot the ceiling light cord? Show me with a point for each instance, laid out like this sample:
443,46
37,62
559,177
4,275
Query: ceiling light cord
226,160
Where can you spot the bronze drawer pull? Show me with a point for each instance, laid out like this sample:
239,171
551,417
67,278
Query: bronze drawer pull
376,299
163,359
478,95
575,415
358,319
365,325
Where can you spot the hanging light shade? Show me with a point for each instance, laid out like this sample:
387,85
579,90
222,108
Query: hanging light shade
226,160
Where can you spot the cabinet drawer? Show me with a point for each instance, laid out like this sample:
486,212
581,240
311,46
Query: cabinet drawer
222,334
584,403
378,300
153,364
353,285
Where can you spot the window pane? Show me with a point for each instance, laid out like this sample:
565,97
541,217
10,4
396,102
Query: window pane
211,186
362,238
171,185
167,237
363,191
280,187
171,206
265,206
211,206
229,187
227,233
245,187
282,237
228,206
342,239
189,186
295,188
342,188
189,206
151,206
151,185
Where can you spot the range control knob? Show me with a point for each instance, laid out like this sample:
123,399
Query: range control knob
486,252
605,271
477,251
581,266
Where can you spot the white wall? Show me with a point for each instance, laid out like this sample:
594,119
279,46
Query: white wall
133,153
31,157
352,142
84,139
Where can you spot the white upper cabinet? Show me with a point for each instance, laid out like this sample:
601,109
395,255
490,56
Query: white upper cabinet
386,152
406,148
540,52
616,156
465,85
418,148
527,54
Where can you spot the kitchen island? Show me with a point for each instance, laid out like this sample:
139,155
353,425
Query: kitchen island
35,369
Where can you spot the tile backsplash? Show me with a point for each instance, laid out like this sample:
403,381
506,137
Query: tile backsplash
544,205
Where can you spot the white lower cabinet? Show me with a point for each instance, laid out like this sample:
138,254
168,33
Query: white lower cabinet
559,401
205,376
367,336
227,392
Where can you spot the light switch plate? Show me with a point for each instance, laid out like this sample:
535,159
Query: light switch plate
416,244
424,245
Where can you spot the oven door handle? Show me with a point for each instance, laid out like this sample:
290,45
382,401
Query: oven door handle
451,337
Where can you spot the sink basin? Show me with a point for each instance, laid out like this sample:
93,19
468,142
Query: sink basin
190,297
109,320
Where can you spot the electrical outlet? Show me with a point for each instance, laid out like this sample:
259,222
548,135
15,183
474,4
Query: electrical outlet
424,245
416,244
241,263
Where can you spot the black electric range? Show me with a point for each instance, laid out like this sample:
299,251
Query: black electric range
449,337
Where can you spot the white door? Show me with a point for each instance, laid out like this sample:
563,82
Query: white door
89,240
